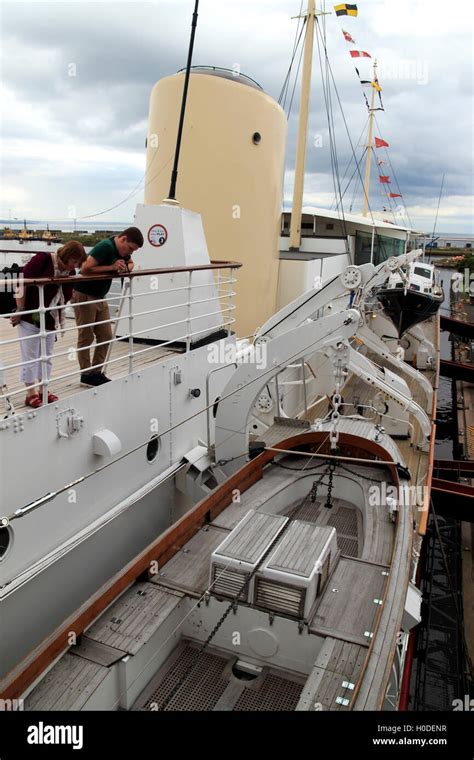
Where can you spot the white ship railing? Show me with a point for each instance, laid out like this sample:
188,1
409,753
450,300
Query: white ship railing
220,307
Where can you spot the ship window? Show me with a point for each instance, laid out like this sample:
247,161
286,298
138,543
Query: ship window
384,247
256,138
153,448
5,541
329,226
423,272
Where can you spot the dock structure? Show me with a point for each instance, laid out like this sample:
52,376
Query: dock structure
462,326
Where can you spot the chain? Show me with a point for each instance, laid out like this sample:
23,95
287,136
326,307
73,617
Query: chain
334,433
340,373
332,467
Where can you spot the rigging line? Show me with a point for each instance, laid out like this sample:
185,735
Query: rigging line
325,95
348,134
353,173
386,190
99,213
392,169
350,159
332,138
287,77
437,210
286,83
296,77
355,185
297,73
130,195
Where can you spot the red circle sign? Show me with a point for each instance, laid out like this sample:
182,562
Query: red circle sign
157,235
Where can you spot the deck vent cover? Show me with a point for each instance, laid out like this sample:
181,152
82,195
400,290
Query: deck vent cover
241,551
297,570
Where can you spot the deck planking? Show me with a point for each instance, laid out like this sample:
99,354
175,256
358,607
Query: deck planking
117,367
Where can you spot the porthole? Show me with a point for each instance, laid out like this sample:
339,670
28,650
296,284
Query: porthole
256,138
153,448
5,541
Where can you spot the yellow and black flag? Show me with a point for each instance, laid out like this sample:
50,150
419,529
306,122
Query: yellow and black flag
345,10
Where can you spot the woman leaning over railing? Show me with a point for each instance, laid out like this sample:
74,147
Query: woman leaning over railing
62,263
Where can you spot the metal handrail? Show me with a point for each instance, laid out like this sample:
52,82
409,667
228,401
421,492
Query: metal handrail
221,294
120,275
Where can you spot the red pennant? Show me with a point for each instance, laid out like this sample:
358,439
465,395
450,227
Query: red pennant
379,143
394,195
359,54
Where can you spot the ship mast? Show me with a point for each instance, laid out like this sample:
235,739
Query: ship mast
369,145
295,226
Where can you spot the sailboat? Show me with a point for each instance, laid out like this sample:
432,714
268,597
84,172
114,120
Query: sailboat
286,489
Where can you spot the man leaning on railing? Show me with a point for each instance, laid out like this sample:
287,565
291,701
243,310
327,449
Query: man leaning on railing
90,307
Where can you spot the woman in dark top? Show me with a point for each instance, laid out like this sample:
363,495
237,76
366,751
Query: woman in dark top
62,263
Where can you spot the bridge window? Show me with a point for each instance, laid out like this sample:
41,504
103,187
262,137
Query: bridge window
384,247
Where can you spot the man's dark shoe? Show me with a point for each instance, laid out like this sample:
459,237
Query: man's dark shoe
103,379
93,379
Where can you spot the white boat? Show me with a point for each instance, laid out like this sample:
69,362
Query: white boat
411,296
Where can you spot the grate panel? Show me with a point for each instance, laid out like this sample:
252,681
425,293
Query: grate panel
308,511
275,693
345,521
200,691
348,546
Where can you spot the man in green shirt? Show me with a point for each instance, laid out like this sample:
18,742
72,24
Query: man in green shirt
93,319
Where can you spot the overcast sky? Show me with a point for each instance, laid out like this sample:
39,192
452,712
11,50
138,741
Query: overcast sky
74,145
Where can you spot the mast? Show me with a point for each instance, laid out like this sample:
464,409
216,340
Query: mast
174,173
369,146
295,226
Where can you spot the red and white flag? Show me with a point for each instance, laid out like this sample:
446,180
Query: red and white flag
379,143
385,180
348,37
359,54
